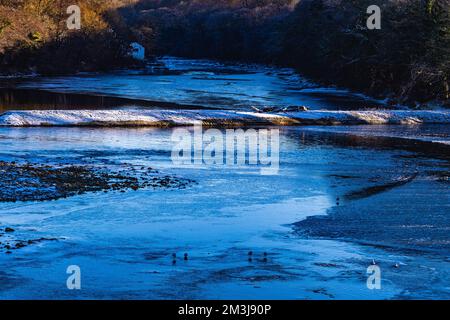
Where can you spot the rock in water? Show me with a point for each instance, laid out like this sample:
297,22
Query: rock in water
137,51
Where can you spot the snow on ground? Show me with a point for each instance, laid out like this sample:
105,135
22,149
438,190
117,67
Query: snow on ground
216,117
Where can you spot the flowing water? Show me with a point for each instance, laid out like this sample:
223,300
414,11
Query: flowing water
177,82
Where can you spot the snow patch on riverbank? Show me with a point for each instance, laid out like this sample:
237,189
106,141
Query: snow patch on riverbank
216,117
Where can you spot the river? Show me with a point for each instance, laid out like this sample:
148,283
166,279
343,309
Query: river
342,199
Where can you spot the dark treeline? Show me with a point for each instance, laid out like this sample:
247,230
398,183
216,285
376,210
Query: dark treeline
233,30
407,60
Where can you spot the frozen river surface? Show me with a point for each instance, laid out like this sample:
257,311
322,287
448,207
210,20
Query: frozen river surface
124,241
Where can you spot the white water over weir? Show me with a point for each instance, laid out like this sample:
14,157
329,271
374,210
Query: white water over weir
161,118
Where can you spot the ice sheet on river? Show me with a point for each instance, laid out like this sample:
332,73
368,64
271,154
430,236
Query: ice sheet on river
216,117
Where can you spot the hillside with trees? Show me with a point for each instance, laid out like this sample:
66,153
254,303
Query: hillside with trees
408,60
34,37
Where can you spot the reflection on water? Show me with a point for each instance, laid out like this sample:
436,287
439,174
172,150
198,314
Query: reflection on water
430,141
34,99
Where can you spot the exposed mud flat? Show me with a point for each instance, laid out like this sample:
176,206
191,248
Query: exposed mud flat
396,214
407,210
37,182
373,190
